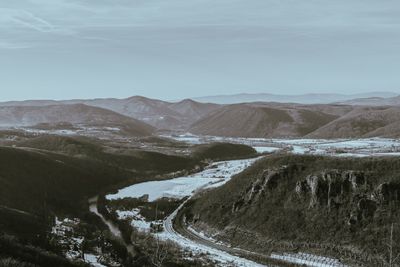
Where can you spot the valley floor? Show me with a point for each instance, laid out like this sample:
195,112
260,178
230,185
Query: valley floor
362,147
215,175
194,243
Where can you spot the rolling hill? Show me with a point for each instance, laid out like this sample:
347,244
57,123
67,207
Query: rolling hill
159,114
75,114
47,176
257,119
152,111
34,181
193,110
362,122
274,120
222,151
265,120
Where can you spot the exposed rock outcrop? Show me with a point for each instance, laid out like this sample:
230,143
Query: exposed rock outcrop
341,206
332,187
335,188
269,180
387,192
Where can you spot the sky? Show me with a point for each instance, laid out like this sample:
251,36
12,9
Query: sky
171,49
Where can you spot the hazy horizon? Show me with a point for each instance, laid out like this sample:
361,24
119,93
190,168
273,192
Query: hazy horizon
179,49
384,95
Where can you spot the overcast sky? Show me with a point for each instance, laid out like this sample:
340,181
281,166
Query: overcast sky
173,49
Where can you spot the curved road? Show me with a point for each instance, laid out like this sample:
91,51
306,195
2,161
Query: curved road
218,252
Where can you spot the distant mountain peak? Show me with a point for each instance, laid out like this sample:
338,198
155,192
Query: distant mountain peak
188,100
309,98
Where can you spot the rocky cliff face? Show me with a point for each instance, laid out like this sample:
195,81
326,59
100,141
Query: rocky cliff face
328,189
331,187
268,181
343,207
334,189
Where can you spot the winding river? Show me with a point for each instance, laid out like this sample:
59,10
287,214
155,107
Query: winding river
216,175
111,225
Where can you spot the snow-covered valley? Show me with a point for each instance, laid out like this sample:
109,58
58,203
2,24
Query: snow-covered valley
183,188
168,194
215,175
357,147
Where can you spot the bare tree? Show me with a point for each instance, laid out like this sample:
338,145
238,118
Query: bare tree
160,254
392,259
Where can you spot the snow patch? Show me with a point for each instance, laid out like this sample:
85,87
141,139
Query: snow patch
93,260
223,258
308,260
358,147
137,220
215,175
266,149
179,188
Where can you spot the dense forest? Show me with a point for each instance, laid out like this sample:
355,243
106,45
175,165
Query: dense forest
345,207
47,178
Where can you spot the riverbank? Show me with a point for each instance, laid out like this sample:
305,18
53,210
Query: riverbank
214,175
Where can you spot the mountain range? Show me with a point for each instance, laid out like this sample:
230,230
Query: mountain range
267,120
140,116
74,114
374,101
320,98
160,114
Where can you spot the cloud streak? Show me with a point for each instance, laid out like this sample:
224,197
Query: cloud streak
305,18
29,20
145,46
14,17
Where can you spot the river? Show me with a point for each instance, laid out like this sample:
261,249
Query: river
216,175
111,225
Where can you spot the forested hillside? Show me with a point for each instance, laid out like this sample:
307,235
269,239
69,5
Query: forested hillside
341,207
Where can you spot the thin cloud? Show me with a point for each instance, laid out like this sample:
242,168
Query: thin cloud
222,45
15,17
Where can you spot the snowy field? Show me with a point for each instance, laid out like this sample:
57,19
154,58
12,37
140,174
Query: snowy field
329,147
344,148
215,175
78,130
